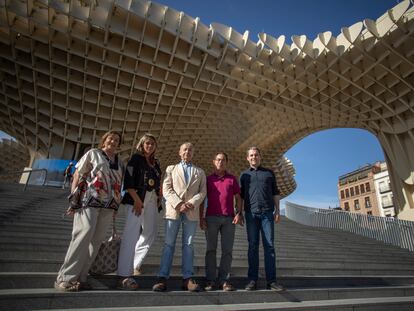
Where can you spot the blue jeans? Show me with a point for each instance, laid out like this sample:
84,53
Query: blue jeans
255,224
171,231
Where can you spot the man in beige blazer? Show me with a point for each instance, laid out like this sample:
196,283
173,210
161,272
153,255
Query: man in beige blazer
184,189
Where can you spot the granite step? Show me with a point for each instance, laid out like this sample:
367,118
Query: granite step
21,280
41,298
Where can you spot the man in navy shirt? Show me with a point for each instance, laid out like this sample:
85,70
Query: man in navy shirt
261,198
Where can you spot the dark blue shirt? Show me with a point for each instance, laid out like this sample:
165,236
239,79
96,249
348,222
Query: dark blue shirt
258,186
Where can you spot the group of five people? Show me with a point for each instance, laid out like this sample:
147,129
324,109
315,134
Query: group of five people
185,189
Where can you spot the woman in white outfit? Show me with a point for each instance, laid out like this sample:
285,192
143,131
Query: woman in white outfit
142,191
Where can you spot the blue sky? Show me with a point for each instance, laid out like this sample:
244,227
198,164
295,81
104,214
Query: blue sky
321,157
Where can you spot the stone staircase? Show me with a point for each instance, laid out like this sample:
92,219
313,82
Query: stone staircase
321,269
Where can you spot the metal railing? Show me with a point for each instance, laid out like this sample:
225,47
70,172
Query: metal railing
387,229
29,172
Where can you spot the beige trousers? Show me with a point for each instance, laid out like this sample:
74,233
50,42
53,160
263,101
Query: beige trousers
90,228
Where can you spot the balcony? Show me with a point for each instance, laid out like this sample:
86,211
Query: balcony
387,203
386,188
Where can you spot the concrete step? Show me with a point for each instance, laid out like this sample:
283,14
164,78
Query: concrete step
49,265
357,304
288,259
322,269
35,299
13,231
20,280
38,235
63,230
57,252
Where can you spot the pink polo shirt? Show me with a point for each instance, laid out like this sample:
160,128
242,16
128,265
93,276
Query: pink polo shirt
220,194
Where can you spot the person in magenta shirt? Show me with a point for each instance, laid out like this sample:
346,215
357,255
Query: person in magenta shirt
220,217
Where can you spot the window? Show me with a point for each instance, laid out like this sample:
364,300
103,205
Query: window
347,193
346,206
357,190
386,201
367,202
384,186
362,188
369,213
367,187
352,191
356,205
342,194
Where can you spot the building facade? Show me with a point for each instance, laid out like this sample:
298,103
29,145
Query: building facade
356,191
385,197
367,190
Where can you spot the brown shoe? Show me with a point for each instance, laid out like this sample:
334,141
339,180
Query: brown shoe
190,285
227,286
160,286
128,284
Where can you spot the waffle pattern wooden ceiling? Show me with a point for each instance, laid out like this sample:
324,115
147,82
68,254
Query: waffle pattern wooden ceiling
71,70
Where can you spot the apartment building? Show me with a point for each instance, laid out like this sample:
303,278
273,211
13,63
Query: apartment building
367,191
356,190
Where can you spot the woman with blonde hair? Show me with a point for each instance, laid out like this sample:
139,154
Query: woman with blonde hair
100,170
142,185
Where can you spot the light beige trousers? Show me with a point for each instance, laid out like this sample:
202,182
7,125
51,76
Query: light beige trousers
90,228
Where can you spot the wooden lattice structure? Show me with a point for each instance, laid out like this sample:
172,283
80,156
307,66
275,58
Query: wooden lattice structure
70,70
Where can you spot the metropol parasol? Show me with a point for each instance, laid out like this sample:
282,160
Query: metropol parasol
70,70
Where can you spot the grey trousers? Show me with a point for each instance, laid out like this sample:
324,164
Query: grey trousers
216,224
90,226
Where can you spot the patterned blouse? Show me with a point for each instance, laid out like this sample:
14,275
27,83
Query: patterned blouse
103,179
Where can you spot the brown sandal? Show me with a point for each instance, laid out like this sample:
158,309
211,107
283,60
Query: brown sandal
128,284
228,287
67,286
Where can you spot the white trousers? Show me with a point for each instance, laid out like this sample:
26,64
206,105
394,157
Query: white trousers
138,236
90,227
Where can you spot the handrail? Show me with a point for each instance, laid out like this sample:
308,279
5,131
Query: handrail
392,231
30,171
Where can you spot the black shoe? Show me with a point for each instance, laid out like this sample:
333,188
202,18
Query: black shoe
275,287
251,286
